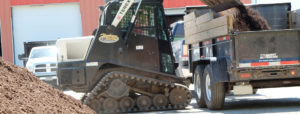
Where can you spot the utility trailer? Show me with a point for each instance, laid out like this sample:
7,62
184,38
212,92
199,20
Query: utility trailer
222,60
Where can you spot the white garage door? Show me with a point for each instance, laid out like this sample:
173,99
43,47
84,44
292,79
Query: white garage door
44,23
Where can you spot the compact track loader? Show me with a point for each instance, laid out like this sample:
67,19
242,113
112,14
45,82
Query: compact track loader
128,65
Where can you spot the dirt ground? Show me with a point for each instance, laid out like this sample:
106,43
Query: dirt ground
21,92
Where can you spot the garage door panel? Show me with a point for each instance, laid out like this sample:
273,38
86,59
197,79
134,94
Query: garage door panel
43,23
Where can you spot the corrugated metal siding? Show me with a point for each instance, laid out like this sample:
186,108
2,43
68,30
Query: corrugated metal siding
6,31
90,15
183,3
30,2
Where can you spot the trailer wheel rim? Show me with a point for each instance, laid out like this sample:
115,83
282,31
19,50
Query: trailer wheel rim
197,85
208,87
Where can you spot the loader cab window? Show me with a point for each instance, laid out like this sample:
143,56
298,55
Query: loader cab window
144,24
161,28
145,20
167,64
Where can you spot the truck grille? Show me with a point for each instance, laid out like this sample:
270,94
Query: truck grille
40,65
53,65
40,70
45,68
53,69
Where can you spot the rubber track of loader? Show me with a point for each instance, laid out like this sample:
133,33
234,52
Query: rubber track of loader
102,85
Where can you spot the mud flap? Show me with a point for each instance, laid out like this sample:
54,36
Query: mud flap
219,70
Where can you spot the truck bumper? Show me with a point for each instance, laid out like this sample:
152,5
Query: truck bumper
52,80
266,73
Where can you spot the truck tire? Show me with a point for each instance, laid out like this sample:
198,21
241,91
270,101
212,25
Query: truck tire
214,92
198,88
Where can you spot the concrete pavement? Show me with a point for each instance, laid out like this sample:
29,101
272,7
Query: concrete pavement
274,100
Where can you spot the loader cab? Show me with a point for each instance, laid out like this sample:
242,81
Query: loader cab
148,44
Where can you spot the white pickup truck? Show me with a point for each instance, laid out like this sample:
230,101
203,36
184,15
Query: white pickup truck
180,49
42,62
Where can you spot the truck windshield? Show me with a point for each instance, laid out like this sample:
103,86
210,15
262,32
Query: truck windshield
43,52
178,32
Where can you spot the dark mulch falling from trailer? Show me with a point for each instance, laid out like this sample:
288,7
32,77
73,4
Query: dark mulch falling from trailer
246,19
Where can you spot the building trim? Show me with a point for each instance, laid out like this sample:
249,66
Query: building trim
32,2
175,11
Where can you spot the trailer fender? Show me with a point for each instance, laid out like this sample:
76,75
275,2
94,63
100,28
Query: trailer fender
219,70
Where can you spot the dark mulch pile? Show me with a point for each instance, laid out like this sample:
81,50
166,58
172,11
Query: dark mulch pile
246,19
21,92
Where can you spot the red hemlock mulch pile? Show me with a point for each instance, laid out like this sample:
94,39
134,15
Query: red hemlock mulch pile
22,92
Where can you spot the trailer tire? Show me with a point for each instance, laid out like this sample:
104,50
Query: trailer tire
214,92
198,88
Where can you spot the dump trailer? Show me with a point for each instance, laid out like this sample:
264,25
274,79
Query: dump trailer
244,62
224,61
128,66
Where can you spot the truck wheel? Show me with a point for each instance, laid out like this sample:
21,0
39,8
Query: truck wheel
214,92
198,88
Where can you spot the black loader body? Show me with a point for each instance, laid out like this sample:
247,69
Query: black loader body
126,69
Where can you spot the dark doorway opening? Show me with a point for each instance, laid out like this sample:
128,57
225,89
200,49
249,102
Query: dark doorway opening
0,41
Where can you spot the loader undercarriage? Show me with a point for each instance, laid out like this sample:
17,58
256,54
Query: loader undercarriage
127,92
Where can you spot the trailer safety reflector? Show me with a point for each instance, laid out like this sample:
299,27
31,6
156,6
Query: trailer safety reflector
271,63
223,38
245,75
207,42
185,51
289,62
293,72
260,64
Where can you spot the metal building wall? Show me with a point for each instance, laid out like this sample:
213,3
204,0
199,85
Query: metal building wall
6,31
90,15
